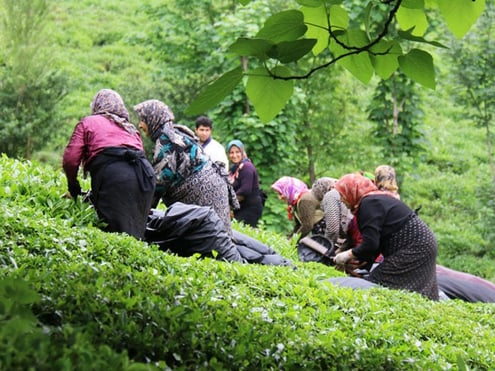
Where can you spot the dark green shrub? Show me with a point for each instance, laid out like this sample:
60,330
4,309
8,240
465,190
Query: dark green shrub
26,343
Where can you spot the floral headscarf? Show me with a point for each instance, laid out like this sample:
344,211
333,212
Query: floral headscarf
290,188
322,186
177,155
385,178
159,118
353,187
110,104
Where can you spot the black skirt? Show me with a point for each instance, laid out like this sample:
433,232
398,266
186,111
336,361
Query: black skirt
251,209
409,260
122,189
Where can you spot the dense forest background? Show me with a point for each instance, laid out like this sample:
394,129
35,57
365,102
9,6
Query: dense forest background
55,55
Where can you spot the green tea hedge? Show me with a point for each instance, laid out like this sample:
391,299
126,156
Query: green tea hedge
106,301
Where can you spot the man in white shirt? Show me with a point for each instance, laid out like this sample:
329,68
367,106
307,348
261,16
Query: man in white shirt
212,148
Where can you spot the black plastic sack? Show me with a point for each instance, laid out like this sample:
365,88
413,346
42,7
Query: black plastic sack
255,251
307,254
189,229
465,286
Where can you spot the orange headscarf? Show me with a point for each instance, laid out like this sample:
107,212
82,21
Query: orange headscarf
353,187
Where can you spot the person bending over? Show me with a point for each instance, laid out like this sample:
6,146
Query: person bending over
390,227
110,148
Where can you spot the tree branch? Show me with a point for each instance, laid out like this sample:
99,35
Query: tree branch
352,49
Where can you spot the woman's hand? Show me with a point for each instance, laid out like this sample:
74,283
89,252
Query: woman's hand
343,257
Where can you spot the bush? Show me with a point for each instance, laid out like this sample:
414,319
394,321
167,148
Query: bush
98,300
25,343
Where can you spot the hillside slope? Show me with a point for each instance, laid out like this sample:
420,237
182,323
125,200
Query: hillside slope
102,45
104,300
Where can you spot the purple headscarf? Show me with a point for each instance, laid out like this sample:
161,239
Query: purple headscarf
290,188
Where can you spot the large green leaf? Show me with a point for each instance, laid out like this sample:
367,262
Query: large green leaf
317,22
311,3
414,19
215,92
358,64
385,64
284,26
408,36
317,3
267,94
418,66
290,51
339,19
460,15
251,47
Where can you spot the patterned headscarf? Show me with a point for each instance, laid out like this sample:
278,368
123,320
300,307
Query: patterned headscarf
322,186
353,187
159,118
385,178
110,104
290,188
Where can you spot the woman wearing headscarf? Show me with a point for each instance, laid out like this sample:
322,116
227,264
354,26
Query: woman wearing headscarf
338,221
183,172
390,227
385,179
244,178
110,148
303,203
290,190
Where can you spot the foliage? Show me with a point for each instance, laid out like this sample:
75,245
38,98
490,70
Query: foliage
474,79
100,46
279,147
30,84
181,37
134,48
24,184
359,45
105,298
26,343
452,185
471,84
396,111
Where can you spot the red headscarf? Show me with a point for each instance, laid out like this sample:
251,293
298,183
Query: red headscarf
353,187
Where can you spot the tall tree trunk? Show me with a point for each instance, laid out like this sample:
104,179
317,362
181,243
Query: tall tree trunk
247,107
311,165
397,109
29,148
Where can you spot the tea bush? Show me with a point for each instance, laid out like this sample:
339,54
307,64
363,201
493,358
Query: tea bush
28,344
99,301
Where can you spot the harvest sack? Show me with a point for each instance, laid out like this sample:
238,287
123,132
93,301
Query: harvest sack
186,230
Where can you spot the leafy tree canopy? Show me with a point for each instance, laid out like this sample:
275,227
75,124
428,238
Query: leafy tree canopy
388,36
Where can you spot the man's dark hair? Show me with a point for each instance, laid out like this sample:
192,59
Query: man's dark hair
204,121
